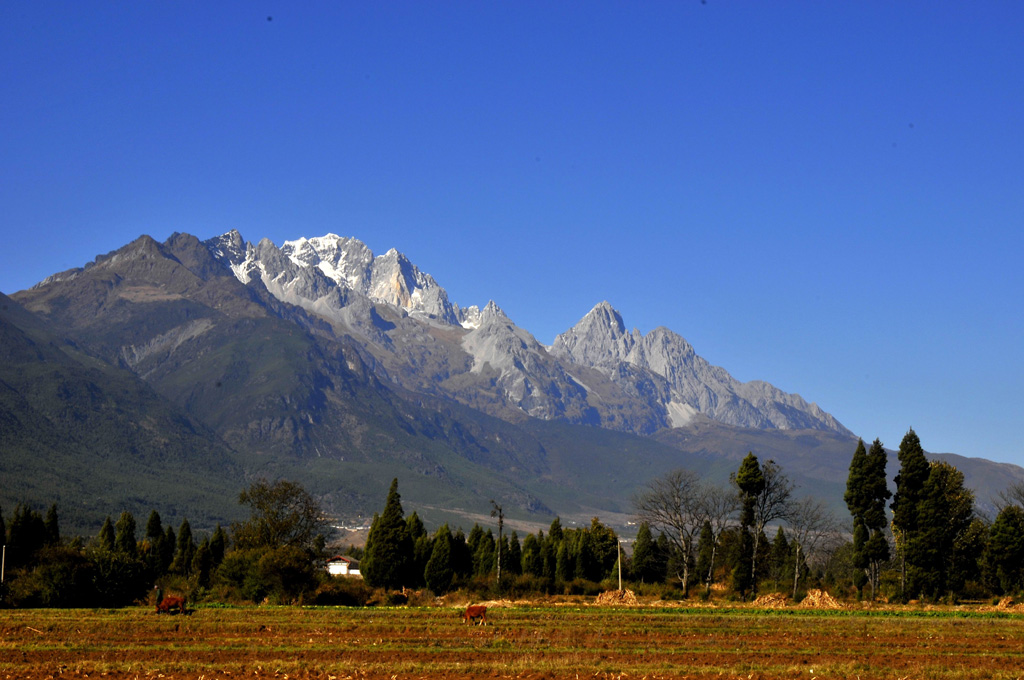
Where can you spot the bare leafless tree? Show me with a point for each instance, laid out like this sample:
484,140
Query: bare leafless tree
1013,495
812,528
719,505
672,504
774,503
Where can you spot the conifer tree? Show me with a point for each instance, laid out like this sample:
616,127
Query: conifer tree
866,493
438,573
750,482
462,558
910,482
105,539
218,546
52,524
944,517
124,540
705,553
514,561
565,566
389,548
644,561
533,562
184,551
1006,548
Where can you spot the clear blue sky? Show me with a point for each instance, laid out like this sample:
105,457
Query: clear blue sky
824,195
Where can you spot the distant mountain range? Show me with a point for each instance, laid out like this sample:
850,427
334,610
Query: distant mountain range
169,375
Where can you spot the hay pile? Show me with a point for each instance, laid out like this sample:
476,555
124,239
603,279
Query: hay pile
819,599
773,600
617,597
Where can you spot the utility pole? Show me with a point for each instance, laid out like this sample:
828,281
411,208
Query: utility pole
496,511
3,563
618,546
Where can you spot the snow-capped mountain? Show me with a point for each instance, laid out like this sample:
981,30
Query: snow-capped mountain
595,373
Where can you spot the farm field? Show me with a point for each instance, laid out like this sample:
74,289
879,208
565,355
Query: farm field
519,642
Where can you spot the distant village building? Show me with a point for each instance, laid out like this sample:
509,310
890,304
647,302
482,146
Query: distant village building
340,565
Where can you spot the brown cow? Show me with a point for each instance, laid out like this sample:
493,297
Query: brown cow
475,611
169,603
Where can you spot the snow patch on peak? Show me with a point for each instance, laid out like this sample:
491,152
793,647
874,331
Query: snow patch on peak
680,414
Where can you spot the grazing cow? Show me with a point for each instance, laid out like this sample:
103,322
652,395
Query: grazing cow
169,603
475,611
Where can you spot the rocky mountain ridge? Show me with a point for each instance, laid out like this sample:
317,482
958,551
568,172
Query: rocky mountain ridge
596,373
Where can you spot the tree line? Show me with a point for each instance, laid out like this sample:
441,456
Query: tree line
273,555
922,538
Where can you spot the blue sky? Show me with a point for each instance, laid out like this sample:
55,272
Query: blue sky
824,195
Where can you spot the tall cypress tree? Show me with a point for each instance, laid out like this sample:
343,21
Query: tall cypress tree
52,524
438,573
124,541
389,547
750,482
909,486
866,493
644,561
944,517
105,539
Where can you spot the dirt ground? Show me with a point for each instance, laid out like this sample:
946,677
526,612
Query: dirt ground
567,641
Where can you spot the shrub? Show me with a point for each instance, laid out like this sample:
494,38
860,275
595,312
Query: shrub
341,592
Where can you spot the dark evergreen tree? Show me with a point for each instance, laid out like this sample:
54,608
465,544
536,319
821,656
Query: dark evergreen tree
154,528
555,531
909,486
514,563
415,526
644,560
549,557
586,565
750,482
866,493
52,525
533,562
662,551
124,539
389,547
438,572
184,550
167,548
1006,549
705,555
218,546
565,565
105,539
462,558
25,537
202,564
486,555
944,516
154,544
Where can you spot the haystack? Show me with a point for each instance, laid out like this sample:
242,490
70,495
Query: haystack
617,597
819,599
771,600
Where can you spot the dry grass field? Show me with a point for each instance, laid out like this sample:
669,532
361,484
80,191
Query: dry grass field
520,641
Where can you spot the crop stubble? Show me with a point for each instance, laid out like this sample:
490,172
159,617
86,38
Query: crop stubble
520,642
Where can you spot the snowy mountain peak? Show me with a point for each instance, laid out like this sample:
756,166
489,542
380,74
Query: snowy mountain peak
305,270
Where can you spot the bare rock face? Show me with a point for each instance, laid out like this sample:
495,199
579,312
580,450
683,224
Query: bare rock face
600,341
597,372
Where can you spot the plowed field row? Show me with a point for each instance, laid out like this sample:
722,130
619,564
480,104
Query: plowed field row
519,642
